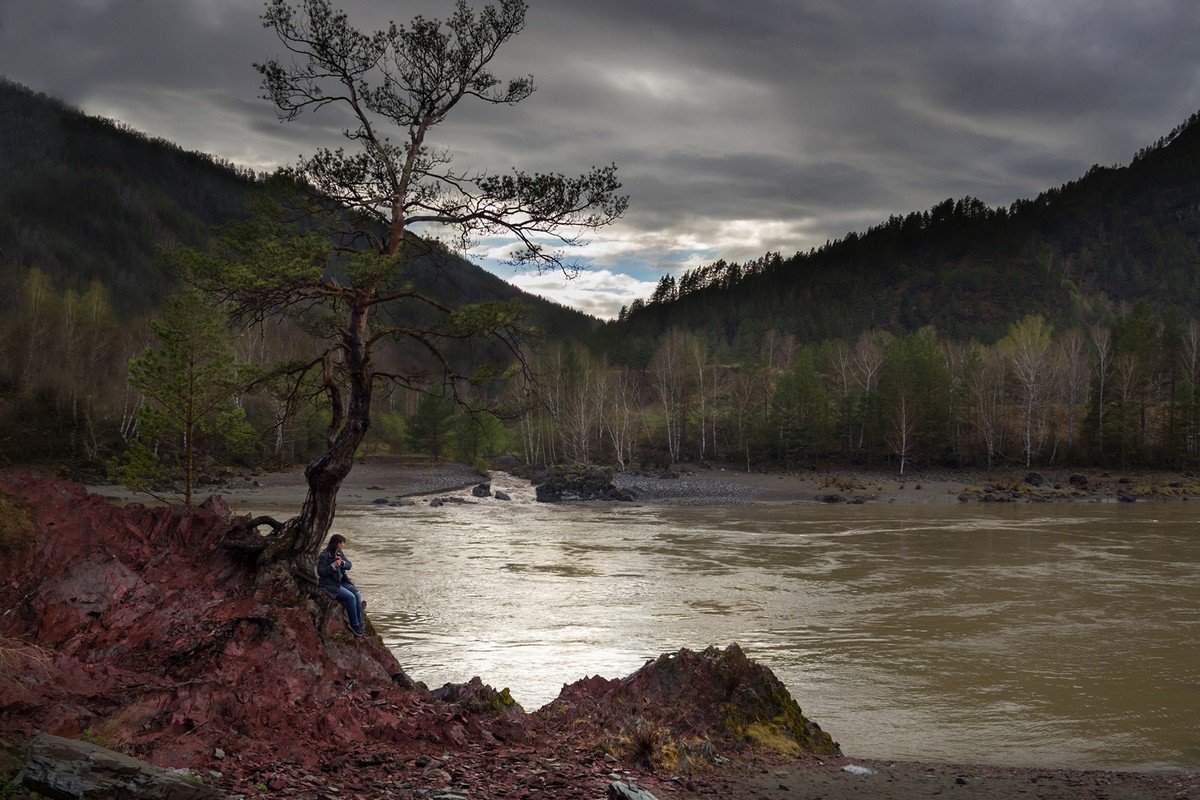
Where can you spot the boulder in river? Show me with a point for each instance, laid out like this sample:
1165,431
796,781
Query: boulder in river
482,490
576,482
499,495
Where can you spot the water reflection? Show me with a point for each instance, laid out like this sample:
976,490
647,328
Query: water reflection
1019,634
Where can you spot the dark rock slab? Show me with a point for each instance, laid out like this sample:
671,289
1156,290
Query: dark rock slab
499,495
1035,479
482,490
66,769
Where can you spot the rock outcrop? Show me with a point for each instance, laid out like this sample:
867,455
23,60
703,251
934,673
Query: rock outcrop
133,629
479,698
714,697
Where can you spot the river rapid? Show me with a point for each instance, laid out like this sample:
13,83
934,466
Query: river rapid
1039,635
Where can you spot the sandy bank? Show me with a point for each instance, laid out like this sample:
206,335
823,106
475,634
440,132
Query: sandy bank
811,777
370,480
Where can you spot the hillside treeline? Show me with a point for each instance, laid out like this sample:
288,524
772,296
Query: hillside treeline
1116,235
1125,392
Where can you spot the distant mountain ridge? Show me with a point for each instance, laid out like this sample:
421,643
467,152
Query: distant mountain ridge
1118,234
83,198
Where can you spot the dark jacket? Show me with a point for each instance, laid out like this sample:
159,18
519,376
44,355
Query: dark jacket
329,577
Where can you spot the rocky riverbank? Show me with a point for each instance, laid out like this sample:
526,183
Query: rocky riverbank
132,628
688,484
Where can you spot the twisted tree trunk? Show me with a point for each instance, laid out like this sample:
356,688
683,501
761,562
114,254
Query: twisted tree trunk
299,539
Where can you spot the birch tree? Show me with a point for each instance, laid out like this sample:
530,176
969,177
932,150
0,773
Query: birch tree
987,382
1101,338
1027,346
668,374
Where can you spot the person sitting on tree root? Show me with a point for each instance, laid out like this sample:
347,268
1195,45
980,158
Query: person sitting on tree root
331,578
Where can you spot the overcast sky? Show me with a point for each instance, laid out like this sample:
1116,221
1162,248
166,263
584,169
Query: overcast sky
737,127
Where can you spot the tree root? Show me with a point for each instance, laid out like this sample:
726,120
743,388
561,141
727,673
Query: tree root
244,539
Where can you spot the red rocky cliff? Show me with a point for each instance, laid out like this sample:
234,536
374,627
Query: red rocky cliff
133,628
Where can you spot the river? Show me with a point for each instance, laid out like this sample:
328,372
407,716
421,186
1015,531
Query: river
1040,635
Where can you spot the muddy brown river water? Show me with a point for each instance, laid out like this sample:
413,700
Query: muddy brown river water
1043,635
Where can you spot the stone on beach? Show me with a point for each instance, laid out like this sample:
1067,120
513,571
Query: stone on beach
858,769
75,770
619,790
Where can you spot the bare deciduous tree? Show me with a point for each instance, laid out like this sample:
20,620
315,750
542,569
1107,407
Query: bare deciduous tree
987,382
668,372
1074,369
1027,347
1101,338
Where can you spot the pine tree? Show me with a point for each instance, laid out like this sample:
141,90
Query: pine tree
187,380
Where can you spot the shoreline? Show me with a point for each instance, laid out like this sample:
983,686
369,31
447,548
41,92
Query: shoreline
390,482
765,778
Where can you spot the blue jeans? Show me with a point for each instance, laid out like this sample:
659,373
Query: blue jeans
353,602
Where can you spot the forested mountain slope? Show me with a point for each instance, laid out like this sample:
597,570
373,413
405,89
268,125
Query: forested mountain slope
85,199
1116,234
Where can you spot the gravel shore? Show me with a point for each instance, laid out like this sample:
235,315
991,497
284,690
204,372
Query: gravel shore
378,480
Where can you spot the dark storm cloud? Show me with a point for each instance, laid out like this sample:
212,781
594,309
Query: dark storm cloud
737,126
